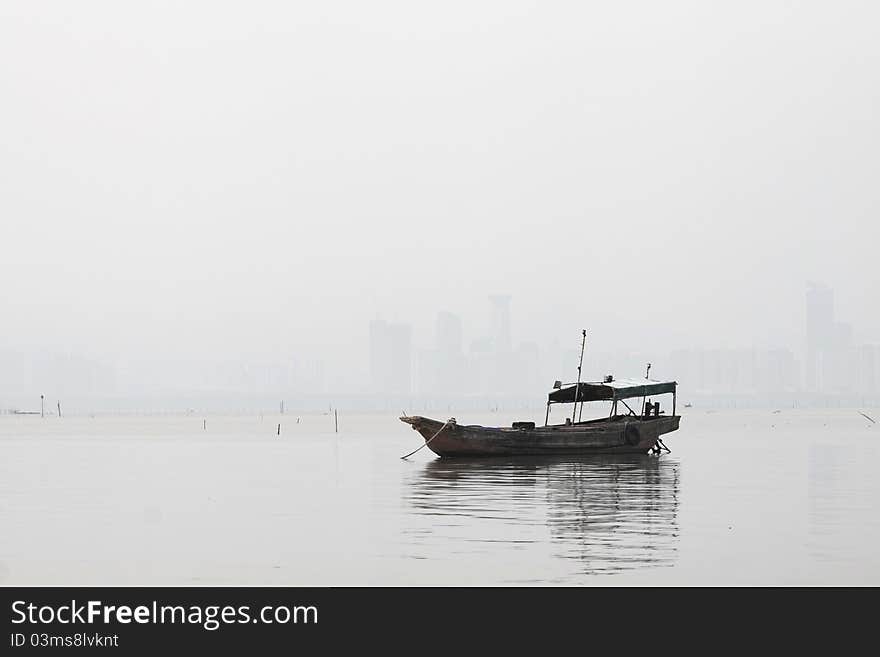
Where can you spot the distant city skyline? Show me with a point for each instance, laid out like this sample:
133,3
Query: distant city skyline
488,362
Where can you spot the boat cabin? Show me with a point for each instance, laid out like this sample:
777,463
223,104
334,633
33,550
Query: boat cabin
611,390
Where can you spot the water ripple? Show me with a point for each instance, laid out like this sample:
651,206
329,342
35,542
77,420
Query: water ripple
607,514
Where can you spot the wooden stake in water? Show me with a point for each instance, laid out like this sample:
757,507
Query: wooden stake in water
59,408
42,410
205,425
279,429
336,420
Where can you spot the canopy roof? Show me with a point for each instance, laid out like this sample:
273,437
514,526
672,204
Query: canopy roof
619,389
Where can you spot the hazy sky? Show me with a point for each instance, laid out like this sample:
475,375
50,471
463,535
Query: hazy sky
217,180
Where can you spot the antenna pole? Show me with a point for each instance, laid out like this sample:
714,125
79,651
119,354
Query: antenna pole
577,388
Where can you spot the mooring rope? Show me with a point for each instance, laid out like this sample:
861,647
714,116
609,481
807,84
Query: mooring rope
445,424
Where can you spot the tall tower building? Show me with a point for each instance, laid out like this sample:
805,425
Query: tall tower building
448,333
499,322
820,318
820,334
448,357
391,357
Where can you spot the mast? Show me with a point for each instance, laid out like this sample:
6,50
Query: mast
577,388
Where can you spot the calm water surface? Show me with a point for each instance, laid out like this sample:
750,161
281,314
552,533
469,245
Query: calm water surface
745,497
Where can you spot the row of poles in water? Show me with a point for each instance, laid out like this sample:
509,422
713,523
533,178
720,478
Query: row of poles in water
204,421
278,431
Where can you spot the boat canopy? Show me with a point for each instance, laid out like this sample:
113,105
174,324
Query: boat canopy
610,390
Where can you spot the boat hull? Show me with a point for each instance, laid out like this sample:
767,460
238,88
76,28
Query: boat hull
617,435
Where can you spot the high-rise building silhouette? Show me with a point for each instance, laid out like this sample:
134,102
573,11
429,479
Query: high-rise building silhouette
820,334
833,360
499,322
450,365
391,357
869,368
820,317
448,333
442,370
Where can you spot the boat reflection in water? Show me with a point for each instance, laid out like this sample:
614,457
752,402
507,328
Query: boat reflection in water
607,514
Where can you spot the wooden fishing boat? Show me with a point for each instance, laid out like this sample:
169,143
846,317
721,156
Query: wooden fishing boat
618,433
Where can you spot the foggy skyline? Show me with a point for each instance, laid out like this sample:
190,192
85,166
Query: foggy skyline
185,185
458,368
